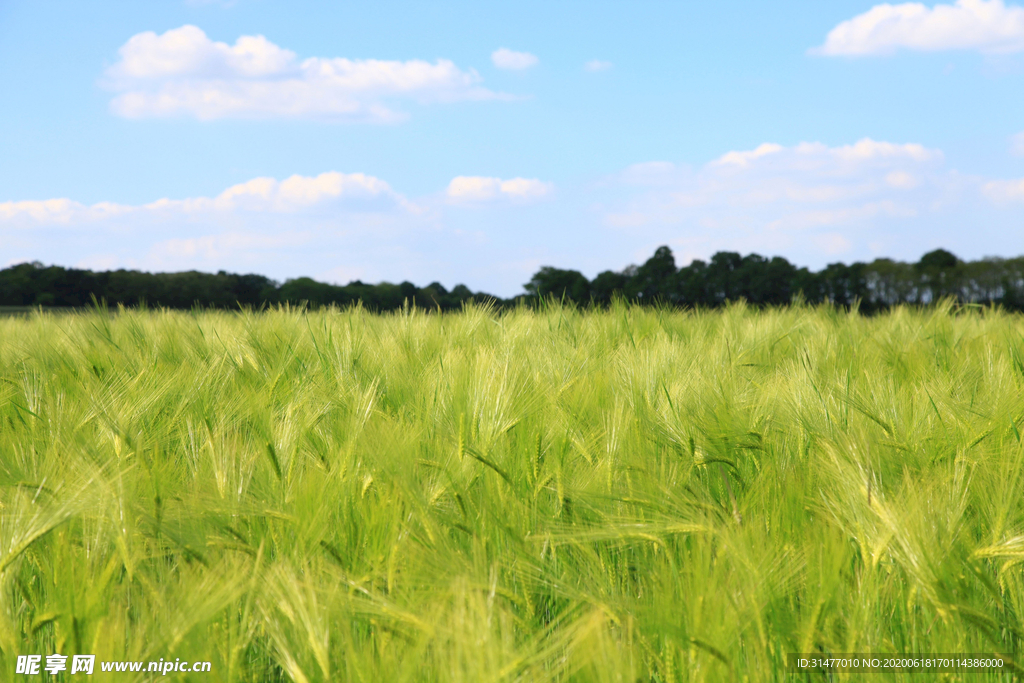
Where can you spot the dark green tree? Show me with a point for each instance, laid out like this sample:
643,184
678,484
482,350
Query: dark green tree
606,286
569,284
655,279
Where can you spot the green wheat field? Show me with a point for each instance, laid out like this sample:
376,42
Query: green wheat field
634,494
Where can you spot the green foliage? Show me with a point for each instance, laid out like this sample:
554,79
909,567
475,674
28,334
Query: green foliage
560,284
729,277
633,494
32,284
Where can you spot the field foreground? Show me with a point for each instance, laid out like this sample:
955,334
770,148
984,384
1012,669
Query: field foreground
629,495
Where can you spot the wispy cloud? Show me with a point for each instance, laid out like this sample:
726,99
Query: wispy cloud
354,191
809,197
1017,144
474,189
810,201
1002,191
988,26
597,65
325,225
806,173
503,58
182,72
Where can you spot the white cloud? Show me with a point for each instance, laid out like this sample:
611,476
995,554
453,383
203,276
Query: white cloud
464,189
184,73
988,26
809,197
901,180
332,225
503,58
867,149
290,195
804,154
597,65
187,51
813,203
744,159
59,210
1017,144
293,195
1004,190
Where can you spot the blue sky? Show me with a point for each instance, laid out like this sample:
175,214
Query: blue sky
472,142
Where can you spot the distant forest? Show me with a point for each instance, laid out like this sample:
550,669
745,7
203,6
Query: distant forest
728,276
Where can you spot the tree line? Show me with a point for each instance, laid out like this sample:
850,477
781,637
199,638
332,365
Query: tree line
33,284
727,276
